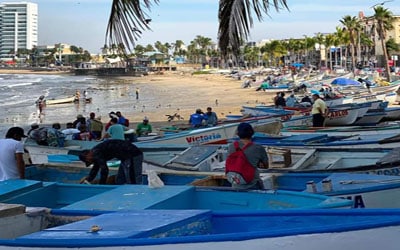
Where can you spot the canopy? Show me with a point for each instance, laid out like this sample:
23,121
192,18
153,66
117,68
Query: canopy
345,82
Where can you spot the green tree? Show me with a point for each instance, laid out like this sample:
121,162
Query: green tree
384,22
129,17
353,27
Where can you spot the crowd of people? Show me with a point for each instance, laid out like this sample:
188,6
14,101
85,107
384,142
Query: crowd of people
88,129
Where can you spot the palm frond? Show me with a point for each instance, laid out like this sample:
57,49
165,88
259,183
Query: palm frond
127,21
235,20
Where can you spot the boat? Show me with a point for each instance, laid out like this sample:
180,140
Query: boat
321,140
131,197
68,155
365,190
64,100
310,229
341,116
391,127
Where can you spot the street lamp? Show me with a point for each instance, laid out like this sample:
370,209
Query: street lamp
306,50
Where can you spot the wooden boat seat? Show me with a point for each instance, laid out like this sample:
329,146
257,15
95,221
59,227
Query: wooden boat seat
284,155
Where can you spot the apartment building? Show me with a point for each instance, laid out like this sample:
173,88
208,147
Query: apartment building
18,28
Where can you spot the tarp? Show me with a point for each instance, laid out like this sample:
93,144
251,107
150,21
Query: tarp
297,64
345,82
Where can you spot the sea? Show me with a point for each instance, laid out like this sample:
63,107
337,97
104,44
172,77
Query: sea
18,93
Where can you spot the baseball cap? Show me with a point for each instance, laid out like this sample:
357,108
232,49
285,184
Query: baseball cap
145,118
15,131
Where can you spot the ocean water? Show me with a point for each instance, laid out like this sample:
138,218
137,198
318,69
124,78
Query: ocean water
18,93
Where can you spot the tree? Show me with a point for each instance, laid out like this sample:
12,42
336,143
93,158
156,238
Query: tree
128,18
384,22
352,25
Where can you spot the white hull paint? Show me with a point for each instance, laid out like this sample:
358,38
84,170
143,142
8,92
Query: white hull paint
341,117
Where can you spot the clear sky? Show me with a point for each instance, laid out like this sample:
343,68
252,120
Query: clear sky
83,22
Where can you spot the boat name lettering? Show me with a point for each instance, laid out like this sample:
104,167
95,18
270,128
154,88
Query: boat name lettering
358,201
386,171
203,138
337,113
286,117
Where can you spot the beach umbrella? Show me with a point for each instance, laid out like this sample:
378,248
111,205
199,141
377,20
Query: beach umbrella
345,82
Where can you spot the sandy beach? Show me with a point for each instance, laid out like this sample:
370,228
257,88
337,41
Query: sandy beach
182,92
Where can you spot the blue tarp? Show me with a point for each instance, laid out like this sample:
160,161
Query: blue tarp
345,81
297,64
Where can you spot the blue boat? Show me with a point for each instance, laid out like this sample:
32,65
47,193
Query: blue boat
328,229
129,197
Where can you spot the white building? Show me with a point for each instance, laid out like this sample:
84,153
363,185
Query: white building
18,28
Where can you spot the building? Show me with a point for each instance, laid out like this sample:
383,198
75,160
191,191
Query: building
18,28
375,54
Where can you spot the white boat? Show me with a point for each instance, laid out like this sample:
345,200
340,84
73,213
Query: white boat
70,99
371,118
202,229
341,116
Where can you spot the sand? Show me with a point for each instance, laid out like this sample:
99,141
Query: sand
185,92
188,92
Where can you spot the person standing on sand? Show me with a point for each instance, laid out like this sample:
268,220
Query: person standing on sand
12,165
137,93
318,111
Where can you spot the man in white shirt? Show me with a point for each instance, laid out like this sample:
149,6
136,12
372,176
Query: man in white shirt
12,165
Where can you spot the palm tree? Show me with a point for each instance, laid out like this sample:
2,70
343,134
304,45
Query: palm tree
128,18
384,22
352,25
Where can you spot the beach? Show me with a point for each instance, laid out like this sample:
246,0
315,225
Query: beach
179,92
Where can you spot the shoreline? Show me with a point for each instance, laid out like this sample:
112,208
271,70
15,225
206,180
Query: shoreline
178,92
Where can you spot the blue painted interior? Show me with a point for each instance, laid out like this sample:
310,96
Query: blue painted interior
152,227
54,195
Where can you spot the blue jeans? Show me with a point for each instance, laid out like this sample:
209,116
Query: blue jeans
130,171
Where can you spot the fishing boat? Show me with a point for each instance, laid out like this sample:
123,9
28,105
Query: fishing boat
387,128
131,197
64,100
365,190
321,140
203,229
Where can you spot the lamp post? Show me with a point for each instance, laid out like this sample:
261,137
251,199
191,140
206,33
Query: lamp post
306,50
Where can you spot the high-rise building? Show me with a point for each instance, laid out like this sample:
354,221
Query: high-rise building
18,28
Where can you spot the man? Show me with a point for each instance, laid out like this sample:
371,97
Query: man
12,165
70,131
95,126
131,157
318,111
115,131
196,119
255,154
211,117
144,128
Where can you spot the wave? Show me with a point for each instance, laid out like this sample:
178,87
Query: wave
12,85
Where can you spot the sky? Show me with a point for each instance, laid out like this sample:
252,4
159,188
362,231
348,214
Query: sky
83,23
